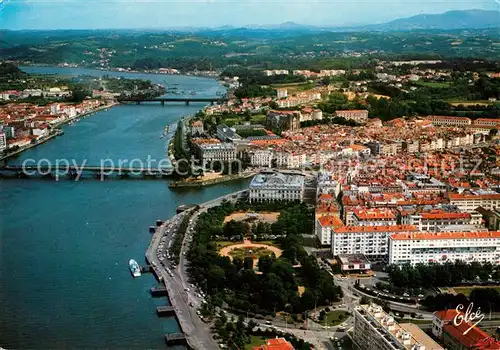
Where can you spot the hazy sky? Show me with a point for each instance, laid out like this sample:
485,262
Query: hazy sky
90,14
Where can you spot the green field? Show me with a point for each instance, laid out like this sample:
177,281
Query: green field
433,84
222,244
255,341
467,290
334,318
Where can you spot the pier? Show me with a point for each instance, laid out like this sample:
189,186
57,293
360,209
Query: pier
159,292
175,338
165,311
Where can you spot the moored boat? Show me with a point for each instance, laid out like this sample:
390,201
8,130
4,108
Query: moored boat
134,268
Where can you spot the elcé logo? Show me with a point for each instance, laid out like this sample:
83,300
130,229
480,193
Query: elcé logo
469,316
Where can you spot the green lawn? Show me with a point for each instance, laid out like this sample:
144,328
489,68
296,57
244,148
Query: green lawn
335,317
222,244
258,118
467,290
433,84
255,341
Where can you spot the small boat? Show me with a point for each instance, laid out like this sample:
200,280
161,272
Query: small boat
134,268
166,130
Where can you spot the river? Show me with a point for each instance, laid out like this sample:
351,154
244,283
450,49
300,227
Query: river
65,246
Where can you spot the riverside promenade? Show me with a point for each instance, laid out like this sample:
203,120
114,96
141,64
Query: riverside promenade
197,333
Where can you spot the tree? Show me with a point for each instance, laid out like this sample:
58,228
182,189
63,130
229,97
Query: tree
364,300
265,262
248,263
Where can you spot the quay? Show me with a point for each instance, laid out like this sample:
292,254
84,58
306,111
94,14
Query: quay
193,331
165,310
159,292
175,338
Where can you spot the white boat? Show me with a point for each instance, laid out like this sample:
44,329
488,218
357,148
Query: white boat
134,268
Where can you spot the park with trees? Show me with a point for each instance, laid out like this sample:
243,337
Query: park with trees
274,287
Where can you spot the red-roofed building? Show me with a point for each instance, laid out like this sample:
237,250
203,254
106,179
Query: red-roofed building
368,240
440,247
359,116
453,336
326,225
275,344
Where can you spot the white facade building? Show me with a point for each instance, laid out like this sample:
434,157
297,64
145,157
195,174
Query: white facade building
223,152
282,93
440,247
359,116
470,202
375,329
276,186
325,226
261,157
372,241
290,160
3,141
435,221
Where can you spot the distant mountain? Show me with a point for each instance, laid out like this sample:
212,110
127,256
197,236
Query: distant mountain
451,20
468,19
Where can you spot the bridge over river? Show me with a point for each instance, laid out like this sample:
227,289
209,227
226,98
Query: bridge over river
54,170
186,100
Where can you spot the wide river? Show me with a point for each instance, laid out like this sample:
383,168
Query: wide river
65,246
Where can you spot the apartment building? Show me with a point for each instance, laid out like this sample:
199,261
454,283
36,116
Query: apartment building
440,247
261,157
197,127
456,337
290,160
3,141
359,116
269,73
282,93
325,226
276,186
449,121
222,152
373,217
436,220
411,146
487,123
372,241
375,329
471,201
421,183
388,149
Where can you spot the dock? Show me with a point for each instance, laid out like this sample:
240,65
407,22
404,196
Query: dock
175,338
159,292
165,310
146,269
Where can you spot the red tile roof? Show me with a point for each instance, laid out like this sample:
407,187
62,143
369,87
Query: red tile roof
476,338
444,235
275,344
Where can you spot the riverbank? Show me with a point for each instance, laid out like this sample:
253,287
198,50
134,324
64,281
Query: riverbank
86,114
85,296
31,145
191,182
201,74
57,132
